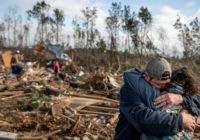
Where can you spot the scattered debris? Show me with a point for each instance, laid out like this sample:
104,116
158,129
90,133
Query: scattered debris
73,106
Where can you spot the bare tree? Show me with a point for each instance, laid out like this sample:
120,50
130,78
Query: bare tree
26,34
113,24
186,38
39,12
128,25
79,34
59,21
13,20
2,34
90,15
8,24
142,41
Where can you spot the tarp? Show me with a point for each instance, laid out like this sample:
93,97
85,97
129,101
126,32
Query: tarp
56,49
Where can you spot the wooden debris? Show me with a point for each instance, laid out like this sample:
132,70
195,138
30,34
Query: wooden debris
6,93
57,109
114,118
72,120
98,108
76,125
40,137
98,113
79,103
94,97
14,96
4,123
39,48
3,87
40,107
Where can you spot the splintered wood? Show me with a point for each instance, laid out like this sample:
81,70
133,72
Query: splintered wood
41,105
49,112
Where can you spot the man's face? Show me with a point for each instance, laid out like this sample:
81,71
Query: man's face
159,84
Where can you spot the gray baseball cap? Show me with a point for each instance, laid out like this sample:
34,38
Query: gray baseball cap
159,68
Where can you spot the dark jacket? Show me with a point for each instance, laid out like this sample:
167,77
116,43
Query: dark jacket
138,115
16,69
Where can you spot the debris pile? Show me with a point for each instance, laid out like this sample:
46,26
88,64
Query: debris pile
41,105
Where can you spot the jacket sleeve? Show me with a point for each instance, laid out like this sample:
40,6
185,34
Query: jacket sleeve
192,103
145,119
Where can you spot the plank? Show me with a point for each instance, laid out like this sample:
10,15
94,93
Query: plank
99,108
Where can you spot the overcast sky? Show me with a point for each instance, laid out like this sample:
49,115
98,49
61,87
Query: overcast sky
164,12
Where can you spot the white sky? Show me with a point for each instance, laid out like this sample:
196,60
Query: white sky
164,13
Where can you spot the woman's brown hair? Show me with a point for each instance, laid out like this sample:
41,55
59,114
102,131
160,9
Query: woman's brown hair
187,79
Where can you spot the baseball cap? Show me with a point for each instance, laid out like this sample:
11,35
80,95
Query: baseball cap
159,68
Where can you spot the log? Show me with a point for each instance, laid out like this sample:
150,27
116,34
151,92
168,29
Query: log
14,96
40,137
71,119
4,123
114,118
94,97
119,65
14,85
6,93
98,108
87,115
98,113
76,125
71,109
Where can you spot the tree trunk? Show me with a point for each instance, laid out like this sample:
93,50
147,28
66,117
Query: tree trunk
57,33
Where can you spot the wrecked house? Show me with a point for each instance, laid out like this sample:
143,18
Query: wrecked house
51,51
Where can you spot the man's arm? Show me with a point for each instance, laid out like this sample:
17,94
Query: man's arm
145,119
191,103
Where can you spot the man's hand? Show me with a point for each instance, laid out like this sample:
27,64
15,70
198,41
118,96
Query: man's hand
188,120
169,99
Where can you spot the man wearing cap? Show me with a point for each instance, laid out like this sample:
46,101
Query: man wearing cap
140,117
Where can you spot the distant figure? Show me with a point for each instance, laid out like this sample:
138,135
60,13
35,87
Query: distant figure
18,57
16,69
56,67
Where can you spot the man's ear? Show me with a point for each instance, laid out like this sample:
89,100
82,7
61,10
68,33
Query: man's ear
146,76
